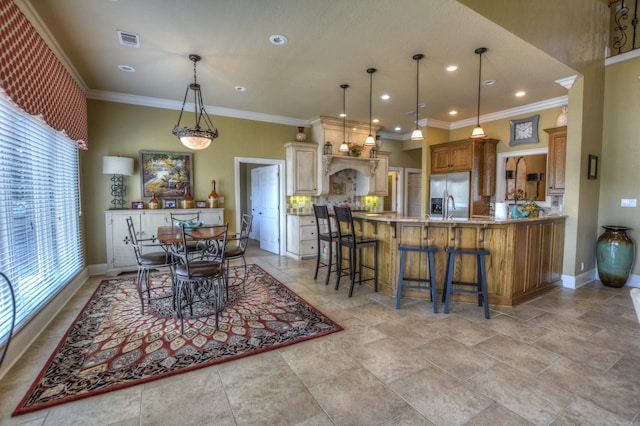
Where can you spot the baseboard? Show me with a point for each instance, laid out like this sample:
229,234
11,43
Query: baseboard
21,341
100,269
569,281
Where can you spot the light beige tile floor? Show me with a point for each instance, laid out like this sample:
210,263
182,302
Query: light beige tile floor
569,357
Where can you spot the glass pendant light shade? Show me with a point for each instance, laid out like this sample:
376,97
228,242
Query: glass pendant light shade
370,140
478,132
416,135
344,146
196,137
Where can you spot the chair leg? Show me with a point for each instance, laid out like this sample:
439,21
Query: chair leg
315,275
447,281
352,269
400,278
375,266
432,282
339,264
483,281
326,280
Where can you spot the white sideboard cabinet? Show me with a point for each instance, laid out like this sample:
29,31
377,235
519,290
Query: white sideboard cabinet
120,255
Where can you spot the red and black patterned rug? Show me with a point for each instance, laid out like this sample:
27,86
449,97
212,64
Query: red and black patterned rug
112,346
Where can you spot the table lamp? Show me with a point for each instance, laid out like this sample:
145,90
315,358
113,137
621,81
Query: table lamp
119,167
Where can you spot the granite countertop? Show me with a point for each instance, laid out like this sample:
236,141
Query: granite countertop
394,217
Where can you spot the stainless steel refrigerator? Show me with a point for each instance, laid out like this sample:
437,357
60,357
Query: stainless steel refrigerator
453,188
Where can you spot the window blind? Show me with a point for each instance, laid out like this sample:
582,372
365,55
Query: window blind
40,237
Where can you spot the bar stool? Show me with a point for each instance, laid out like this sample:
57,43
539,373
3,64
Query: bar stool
481,277
430,250
323,226
347,238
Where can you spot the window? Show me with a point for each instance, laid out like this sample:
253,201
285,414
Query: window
40,240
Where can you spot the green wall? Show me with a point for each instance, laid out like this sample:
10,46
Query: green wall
124,130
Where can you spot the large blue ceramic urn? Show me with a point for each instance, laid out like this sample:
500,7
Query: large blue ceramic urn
615,253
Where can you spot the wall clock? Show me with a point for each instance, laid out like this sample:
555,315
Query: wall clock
524,130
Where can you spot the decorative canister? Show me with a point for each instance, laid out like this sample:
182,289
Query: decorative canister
213,201
615,252
301,136
153,201
562,118
328,148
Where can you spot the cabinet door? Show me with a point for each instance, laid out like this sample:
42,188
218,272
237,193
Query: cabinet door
557,160
302,176
149,222
119,252
212,216
440,159
461,157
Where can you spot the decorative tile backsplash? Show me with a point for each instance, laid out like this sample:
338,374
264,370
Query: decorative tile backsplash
342,192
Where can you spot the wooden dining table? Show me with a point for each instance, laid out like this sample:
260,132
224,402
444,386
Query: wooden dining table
173,234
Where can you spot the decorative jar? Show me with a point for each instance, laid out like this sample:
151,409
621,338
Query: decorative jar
213,201
301,136
615,252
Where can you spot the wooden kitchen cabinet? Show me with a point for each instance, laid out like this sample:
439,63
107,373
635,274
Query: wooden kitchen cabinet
477,156
451,157
302,168
302,241
557,159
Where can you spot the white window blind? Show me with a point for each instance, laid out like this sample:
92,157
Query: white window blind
40,240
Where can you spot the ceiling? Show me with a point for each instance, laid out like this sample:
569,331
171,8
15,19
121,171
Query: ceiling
330,42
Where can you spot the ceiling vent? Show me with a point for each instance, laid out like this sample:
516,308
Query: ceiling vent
129,39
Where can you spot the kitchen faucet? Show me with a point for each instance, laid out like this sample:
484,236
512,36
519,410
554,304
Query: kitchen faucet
446,206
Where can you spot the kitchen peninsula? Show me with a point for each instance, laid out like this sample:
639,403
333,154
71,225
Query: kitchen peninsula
525,261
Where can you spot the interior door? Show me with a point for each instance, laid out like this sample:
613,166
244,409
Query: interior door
255,204
268,208
413,184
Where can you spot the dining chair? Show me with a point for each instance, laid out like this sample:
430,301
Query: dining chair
200,281
347,238
8,306
185,217
237,251
148,262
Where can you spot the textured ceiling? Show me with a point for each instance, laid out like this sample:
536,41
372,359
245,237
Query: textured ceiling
330,42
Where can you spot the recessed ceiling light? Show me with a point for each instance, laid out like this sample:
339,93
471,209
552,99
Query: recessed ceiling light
398,128
240,88
278,39
126,68
375,120
453,112
385,97
451,68
489,82
342,114
521,93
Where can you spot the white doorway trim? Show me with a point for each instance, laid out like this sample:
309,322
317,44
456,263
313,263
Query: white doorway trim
281,189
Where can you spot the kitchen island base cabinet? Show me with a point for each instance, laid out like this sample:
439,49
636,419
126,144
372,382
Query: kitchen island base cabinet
120,255
525,260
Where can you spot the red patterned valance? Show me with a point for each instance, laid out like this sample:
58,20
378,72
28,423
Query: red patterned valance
35,79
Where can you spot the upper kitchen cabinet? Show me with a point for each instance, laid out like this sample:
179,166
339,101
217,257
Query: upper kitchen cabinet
556,158
302,168
477,156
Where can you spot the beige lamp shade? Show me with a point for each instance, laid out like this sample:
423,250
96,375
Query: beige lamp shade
112,165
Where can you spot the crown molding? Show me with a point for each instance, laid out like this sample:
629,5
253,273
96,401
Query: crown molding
124,98
567,82
524,109
632,54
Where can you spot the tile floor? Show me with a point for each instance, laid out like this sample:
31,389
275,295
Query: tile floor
569,357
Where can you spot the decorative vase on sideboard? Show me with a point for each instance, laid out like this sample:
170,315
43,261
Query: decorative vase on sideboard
615,252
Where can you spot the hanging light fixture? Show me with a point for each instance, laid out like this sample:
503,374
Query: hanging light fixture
417,133
478,132
344,147
196,137
370,140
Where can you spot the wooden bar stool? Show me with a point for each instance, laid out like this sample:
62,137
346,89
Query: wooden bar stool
481,277
323,226
430,250
348,239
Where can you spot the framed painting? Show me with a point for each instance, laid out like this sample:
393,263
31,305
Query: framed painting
592,169
165,174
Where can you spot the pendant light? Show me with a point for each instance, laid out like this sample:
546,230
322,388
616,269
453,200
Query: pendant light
370,141
344,147
478,132
417,133
196,137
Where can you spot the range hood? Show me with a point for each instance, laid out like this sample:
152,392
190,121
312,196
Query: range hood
371,172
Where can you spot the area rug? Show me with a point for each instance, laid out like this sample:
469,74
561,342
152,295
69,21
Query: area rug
111,345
